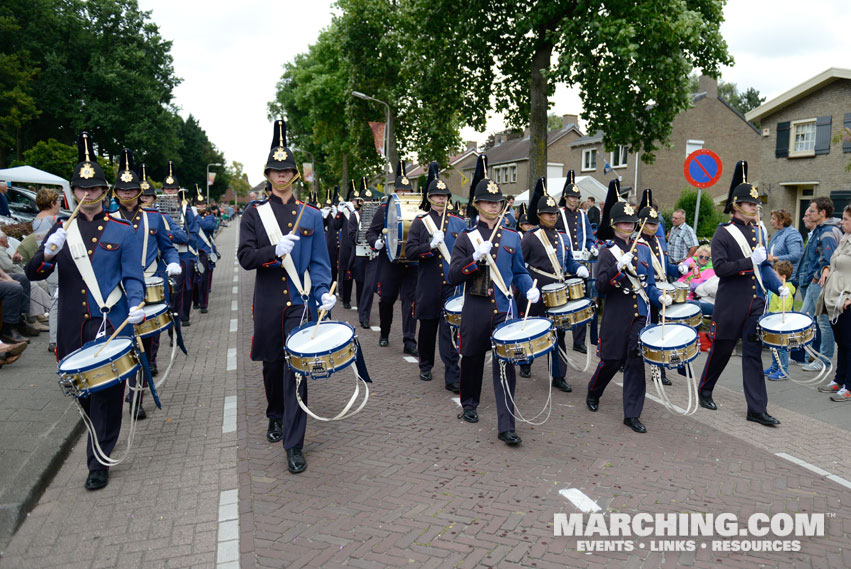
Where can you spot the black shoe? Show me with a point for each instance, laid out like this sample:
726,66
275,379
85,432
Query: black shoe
453,387
295,460
469,415
140,414
196,306
97,479
184,323
383,342
411,351
580,348
560,383
763,419
347,305
11,336
425,375
51,347
707,403
27,329
154,371
593,403
364,324
635,424
510,438
275,431
203,310
525,370
666,381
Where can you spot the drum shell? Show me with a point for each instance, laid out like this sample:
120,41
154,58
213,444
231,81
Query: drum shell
695,320
532,347
575,288
785,339
83,382
669,357
681,291
569,319
453,318
158,322
554,295
154,291
323,363
399,215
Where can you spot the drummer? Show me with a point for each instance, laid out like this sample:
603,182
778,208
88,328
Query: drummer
430,239
182,302
207,253
281,303
579,238
345,211
394,279
112,284
363,268
548,260
739,260
628,284
160,257
487,297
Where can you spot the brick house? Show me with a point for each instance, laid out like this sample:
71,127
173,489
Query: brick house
798,159
455,174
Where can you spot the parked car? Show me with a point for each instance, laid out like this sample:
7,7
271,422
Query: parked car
22,204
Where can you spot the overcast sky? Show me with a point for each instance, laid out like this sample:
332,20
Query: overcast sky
230,57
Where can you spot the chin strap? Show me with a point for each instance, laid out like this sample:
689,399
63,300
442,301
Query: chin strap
285,185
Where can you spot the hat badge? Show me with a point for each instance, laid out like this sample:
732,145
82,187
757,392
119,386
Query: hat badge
368,193
145,185
169,180
550,201
441,185
627,209
280,154
492,187
405,180
87,171
653,213
127,176
754,193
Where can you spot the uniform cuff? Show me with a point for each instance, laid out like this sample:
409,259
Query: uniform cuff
471,268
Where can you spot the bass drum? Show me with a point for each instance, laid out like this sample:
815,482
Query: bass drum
401,212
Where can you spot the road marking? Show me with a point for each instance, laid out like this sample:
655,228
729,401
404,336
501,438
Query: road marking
582,502
233,324
410,359
236,270
231,359
235,290
236,277
227,542
375,328
233,305
229,420
815,469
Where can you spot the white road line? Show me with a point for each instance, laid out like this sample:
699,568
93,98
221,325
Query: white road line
582,502
227,542
410,359
236,277
233,305
233,324
375,328
229,417
815,469
235,290
236,269
231,359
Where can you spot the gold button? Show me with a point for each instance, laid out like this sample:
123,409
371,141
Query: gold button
100,227
109,246
444,282
636,314
635,306
493,300
754,287
84,303
286,291
94,239
85,315
135,226
289,225
499,234
89,251
289,303
283,278
495,311
295,212
83,291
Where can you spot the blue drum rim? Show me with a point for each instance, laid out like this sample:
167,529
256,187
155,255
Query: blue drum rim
450,299
121,354
589,304
311,325
812,323
535,337
399,230
667,347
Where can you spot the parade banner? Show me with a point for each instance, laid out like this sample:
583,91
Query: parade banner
307,169
378,136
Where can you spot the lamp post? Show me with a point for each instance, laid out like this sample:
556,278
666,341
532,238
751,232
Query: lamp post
387,125
207,180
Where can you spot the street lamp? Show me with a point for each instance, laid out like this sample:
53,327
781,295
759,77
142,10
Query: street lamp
360,95
207,180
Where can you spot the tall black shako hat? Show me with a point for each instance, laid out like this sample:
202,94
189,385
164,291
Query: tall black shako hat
740,190
482,188
335,197
147,188
170,182
434,186
366,194
570,188
353,193
615,211
87,172
540,202
402,181
126,179
199,196
280,157
524,215
646,212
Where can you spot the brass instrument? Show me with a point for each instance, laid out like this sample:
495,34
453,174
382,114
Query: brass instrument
367,212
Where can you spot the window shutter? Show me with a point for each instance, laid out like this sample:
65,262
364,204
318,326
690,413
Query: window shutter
823,135
782,150
846,143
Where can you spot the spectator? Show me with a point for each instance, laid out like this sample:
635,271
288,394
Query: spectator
834,302
593,213
699,271
814,268
30,326
4,203
510,221
48,201
786,244
780,371
682,242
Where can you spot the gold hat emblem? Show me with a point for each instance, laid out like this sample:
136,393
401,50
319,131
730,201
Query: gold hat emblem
145,185
550,201
627,209
754,193
169,180
127,176
653,213
492,187
87,171
441,185
368,193
280,154
405,181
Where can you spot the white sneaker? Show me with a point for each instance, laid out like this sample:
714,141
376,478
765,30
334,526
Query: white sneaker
815,365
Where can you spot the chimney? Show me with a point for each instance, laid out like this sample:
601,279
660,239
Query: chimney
708,85
567,120
472,145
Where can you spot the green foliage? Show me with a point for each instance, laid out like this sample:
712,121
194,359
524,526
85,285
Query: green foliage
554,121
18,230
741,101
708,219
51,156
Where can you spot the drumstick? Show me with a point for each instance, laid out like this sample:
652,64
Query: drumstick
499,222
635,241
663,319
67,223
295,227
758,232
117,330
323,312
528,307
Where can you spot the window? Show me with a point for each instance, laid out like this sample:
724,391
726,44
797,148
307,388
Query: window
619,157
802,141
692,145
513,174
589,159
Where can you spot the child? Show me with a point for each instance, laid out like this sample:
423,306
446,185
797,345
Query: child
775,304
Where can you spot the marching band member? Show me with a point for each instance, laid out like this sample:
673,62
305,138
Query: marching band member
364,269
345,211
487,297
207,252
626,280
431,239
185,244
101,284
548,259
293,273
394,279
739,260
332,231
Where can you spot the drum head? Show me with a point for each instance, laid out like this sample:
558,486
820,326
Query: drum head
675,335
552,287
794,321
329,337
680,311
393,222
84,358
153,281
574,281
572,306
665,287
152,310
510,331
680,285
454,304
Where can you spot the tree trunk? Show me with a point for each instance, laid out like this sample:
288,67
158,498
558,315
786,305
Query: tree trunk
538,110
392,154
344,171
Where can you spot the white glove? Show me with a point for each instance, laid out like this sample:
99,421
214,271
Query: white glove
666,299
759,255
328,302
784,292
533,295
582,272
136,315
594,251
333,211
483,249
379,244
625,260
683,268
55,242
325,211
173,269
436,239
347,206
285,245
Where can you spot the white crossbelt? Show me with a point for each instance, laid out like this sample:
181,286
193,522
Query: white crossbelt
432,228
273,231
658,264
636,284
581,223
84,265
496,277
742,241
551,253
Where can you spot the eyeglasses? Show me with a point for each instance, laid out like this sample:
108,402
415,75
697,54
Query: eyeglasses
703,257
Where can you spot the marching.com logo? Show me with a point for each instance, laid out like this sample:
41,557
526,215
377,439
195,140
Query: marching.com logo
686,526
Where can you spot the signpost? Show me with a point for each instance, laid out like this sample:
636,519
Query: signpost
702,169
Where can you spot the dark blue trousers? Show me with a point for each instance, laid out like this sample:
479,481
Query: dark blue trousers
279,381
634,386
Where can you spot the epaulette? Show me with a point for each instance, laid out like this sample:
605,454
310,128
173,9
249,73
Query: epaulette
423,214
121,221
643,244
725,223
310,206
151,209
508,229
456,216
261,202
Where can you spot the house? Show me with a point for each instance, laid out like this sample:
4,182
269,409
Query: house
798,159
711,123
454,174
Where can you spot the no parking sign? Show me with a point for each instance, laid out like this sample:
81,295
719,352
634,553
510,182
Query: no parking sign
702,168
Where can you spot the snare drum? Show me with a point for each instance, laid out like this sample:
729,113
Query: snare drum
574,313
154,290
686,313
681,291
554,294
513,343
333,348
797,331
678,348
157,319
575,288
452,311
82,373
666,288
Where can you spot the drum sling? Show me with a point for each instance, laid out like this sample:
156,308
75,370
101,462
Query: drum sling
633,280
496,277
273,231
432,229
746,251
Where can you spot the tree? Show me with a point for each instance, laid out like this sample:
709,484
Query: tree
51,156
742,102
554,121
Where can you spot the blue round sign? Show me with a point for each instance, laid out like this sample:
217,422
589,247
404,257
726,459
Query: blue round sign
702,168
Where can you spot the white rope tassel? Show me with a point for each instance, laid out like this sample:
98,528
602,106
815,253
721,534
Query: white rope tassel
511,404
691,388
170,363
587,351
345,412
